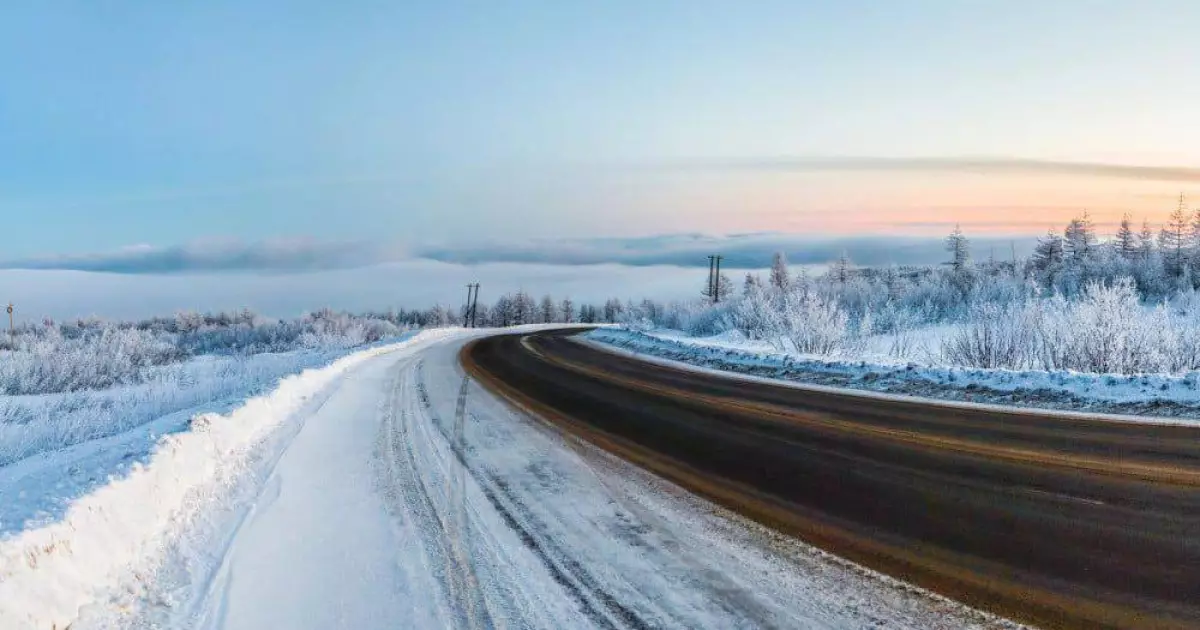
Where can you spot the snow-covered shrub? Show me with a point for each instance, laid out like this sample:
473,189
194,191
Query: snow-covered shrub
813,324
993,336
93,354
50,362
757,315
1105,330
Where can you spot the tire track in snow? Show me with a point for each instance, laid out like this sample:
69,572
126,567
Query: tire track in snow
417,501
600,606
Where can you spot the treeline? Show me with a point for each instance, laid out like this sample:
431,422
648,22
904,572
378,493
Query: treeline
515,309
1160,263
1128,303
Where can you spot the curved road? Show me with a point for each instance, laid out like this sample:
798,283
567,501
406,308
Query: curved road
1061,522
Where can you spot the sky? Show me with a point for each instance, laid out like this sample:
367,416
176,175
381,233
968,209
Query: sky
418,126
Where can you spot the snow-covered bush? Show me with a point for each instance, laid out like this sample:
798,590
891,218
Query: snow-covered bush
1105,330
795,320
94,354
994,336
814,324
757,315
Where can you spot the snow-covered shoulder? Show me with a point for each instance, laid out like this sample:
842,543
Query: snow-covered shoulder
1142,398
109,540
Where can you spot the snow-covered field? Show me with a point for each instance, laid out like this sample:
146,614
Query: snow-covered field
56,447
388,490
140,489
1149,396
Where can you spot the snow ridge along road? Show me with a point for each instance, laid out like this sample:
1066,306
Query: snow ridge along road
1064,521
404,495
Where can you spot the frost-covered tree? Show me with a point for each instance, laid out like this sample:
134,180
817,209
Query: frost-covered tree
648,309
891,280
438,316
801,284
1145,241
959,249
839,272
779,272
1195,230
1173,240
502,312
1126,242
750,282
1079,238
547,309
612,310
567,310
757,315
1048,253
523,309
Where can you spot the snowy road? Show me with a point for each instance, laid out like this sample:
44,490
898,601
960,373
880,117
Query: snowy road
410,497
1064,521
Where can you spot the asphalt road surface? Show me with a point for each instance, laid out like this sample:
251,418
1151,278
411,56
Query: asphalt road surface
1055,521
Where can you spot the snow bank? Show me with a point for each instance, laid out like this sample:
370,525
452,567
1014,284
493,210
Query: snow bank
1147,394
50,574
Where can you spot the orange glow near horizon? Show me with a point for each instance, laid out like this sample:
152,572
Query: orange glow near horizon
921,203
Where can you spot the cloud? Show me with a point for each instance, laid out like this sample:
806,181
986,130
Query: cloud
209,255
981,165
738,251
742,251
407,284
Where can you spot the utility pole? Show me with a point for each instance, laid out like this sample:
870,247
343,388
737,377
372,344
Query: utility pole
711,287
474,304
467,306
717,281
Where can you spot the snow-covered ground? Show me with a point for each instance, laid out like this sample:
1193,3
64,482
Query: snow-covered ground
56,447
388,490
140,490
1149,396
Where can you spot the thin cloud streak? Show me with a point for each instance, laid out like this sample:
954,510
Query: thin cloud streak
978,165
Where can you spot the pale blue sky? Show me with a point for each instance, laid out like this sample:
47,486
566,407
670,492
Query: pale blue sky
125,123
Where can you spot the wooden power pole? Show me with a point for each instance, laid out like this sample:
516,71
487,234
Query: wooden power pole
717,281
467,306
711,287
474,304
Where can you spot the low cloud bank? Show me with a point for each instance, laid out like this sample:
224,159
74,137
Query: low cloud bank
749,251
212,255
